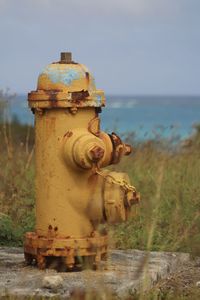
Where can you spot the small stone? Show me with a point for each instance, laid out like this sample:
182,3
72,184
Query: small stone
52,282
198,284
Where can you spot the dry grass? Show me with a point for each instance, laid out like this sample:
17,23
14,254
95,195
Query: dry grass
16,178
169,215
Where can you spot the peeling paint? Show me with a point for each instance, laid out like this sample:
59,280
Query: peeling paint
59,75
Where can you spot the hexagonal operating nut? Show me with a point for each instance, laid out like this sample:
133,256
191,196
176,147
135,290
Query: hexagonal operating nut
96,153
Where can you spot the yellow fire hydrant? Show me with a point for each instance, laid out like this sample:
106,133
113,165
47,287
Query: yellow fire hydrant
73,194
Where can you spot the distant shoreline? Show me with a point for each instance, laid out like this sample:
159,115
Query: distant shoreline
146,99
146,116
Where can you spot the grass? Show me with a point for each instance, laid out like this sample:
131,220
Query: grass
16,178
169,215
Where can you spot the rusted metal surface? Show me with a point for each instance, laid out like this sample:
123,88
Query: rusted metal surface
94,125
96,153
118,196
39,248
66,57
49,99
127,149
64,84
73,194
132,198
79,96
68,134
119,148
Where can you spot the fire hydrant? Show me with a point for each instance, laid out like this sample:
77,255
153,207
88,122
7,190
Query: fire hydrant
73,194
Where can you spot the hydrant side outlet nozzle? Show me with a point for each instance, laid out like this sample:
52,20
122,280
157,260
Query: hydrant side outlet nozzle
74,194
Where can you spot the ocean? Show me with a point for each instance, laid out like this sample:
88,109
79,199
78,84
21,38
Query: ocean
145,116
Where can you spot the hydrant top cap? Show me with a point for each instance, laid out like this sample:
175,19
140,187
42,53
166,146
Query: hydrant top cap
66,83
66,76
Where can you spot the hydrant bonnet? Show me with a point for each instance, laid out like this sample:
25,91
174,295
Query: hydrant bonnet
68,83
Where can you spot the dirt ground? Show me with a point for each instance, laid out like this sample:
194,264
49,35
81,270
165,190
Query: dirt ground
184,283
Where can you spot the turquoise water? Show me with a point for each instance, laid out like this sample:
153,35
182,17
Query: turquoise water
147,116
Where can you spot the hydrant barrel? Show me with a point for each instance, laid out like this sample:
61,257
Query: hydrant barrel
74,194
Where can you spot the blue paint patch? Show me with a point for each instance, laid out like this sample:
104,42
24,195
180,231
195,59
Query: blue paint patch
57,75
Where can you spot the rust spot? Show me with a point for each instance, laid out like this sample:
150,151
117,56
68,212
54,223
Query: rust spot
73,110
54,103
40,111
128,149
83,162
56,228
92,234
87,75
96,153
92,180
118,148
77,97
50,227
116,139
68,134
98,110
52,97
94,125
66,63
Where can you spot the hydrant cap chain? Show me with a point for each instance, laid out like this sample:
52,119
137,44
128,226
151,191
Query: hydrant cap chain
66,84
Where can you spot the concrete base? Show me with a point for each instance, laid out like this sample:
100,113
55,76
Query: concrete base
125,273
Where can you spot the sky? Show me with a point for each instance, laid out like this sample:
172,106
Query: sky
132,47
